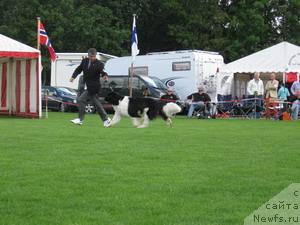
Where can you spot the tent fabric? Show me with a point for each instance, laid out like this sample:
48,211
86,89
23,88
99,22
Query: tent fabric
20,83
12,48
282,57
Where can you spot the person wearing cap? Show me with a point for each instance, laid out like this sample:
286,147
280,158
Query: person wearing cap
169,96
199,101
92,69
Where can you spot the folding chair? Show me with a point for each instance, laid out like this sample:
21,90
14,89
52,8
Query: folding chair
200,112
248,106
225,106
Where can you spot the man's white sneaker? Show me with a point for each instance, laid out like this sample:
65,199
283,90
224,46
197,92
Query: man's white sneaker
106,123
77,121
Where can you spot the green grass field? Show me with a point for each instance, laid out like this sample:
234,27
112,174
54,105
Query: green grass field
210,172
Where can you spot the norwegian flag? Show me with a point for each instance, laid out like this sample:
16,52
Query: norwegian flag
44,40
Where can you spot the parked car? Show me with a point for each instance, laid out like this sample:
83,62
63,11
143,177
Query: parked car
141,86
62,99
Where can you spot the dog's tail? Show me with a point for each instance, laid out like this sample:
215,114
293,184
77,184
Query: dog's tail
171,109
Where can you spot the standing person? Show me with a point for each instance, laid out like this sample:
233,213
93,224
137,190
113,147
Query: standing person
92,70
283,94
295,89
271,87
255,88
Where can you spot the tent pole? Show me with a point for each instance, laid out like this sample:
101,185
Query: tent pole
10,84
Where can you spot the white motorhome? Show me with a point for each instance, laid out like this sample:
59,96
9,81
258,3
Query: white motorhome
182,70
63,68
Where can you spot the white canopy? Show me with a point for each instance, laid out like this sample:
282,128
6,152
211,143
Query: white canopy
12,48
282,57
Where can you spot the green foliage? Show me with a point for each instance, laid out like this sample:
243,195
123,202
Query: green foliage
233,28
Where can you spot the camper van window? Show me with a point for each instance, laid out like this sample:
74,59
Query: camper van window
141,70
181,66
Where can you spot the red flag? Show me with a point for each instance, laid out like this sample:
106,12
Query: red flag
44,40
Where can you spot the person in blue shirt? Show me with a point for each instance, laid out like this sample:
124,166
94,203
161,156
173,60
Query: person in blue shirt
283,92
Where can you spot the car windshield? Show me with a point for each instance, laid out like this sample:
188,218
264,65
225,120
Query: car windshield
155,82
66,91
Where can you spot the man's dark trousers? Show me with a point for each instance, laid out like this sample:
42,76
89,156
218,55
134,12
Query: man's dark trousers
82,101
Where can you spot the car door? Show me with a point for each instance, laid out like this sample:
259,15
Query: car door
54,100
44,92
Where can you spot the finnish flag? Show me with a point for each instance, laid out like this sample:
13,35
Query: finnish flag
134,41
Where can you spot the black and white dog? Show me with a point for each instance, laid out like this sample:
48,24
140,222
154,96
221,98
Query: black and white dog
140,110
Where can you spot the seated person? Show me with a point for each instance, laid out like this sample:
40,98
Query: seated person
295,89
199,101
146,92
169,96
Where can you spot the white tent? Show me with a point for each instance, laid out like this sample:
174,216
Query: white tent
283,57
20,80
280,58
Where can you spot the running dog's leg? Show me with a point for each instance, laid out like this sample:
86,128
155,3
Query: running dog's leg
136,121
169,121
145,123
116,119
166,118
146,119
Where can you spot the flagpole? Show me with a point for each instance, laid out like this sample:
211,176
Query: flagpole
38,32
131,68
40,63
130,82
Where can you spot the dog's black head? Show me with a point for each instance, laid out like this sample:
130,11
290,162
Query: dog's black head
113,98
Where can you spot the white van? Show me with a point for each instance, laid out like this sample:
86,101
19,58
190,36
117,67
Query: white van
183,70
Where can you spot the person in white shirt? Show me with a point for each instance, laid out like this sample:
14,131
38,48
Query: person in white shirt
255,86
255,89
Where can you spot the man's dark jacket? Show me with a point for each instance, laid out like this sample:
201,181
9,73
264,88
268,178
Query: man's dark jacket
199,97
91,75
171,97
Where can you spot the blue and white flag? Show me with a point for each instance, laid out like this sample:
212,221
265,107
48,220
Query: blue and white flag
134,41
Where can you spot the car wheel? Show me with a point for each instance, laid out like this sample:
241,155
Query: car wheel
63,107
89,108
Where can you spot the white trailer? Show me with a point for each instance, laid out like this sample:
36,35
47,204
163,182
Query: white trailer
183,70
63,68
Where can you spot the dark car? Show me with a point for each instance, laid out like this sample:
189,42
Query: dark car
141,86
62,99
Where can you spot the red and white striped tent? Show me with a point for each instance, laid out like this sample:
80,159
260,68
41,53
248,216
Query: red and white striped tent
20,80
